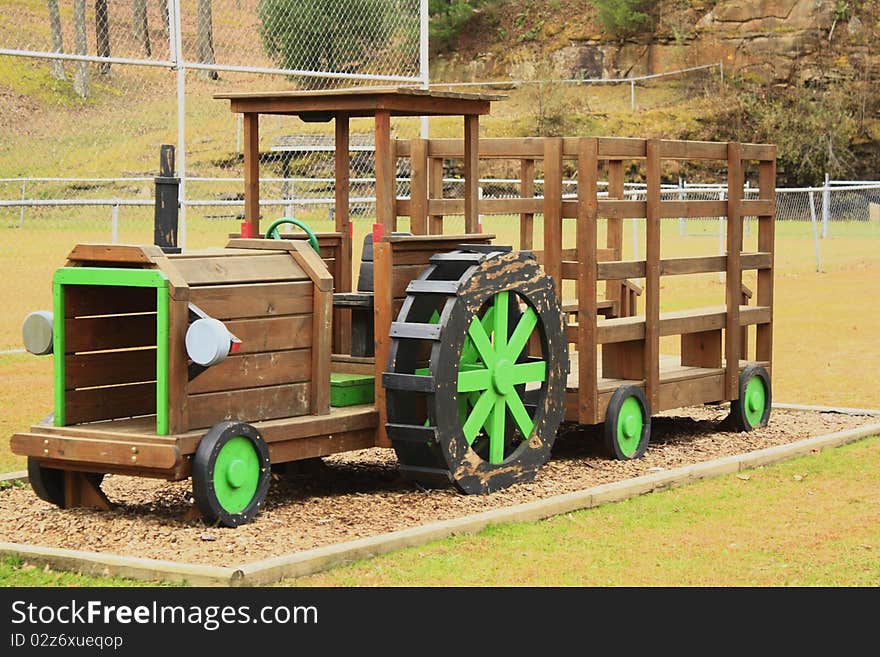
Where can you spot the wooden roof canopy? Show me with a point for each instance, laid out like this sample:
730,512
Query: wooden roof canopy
340,105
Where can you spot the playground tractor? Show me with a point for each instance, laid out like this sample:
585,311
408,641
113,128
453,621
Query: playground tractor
457,352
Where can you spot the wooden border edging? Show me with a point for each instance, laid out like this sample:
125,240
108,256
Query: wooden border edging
268,571
12,477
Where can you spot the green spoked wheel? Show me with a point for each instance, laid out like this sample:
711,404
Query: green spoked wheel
231,472
627,428
752,409
483,413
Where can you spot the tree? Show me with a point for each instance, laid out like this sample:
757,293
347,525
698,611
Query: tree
81,77
315,35
57,40
140,26
626,18
205,40
102,34
447,19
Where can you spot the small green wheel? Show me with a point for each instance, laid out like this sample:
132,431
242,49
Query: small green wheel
230,474
48,483
752,409
272,231
627,424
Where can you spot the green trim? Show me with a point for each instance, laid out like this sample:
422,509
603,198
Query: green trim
110,276
754,401
58,341
236,474
630,423
162,400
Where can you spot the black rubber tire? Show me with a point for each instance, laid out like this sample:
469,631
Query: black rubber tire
738,416
423,416
203,464
612,445
48,483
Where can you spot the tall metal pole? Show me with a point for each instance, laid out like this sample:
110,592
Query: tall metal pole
424,72
176,45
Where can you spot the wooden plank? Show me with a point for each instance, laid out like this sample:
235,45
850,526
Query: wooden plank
386,184
616,271
757,207
621,329
652,274
692,150
621,148
118,452
254,371
494,148
471,173
313,266
314,447
766,238
618,209
624,360
110,332
553,210
419,188
439,242
226,302
701,349
614,231
109,368
127,253
435,191
178,374
588,173
733,285
526,190
383,311
340,420
249,405
456,206
692,209
676,266
106,403
346,364
89,300
691,391
222,271
272,333
401,276
251,147
322,332
763,152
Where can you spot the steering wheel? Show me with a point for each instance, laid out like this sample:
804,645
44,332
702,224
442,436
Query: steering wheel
272,231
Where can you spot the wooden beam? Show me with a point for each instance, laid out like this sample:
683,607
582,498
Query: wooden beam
766,237
588,173
386,183
418,210
251,123
614,230
733,284
553,210
342,280
652,275
526,190
471,172
435,191
382,313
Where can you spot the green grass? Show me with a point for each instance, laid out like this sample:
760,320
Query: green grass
16,572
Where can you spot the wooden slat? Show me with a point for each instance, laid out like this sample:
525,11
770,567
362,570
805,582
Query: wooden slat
733,286
321,349
353,364
418,210
227,302
614,231
617,148
588,171
254,371
272,333
341,271
118,452
757,207
106,403
766,239
617,209
249,405
109,368
616,271
763,152
693,390
128,253
317,446
84,300
112,332
456,206
553,210
251,147
435,191
178,375
471,173
652,275
677,266
701,349
386,185
383,311
340,420
622,329
692,209
692,150
526,190
222,271
401,277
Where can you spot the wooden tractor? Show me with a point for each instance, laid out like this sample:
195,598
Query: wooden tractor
458,353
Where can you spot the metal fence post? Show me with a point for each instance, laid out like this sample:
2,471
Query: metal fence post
722,235
632,95
682,226
815,232
114,223
23,198
826,206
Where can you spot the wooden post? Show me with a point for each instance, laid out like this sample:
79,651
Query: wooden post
734,273
80,492
435,221
386,184
342,282
178,376
614,235
382,311
252,172
652,277
526,190
553,210
766,231
588,207
419,187
471,172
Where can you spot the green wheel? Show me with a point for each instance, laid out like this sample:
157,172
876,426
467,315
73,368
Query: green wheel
272,231
230,473
627,424
752,409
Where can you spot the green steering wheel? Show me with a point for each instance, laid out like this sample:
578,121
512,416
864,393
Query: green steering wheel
272,231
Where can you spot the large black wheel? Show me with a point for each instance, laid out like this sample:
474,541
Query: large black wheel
48,483
475,387
627,424
231,471
752,409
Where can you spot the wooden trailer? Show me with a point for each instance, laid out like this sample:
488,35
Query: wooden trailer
463,355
